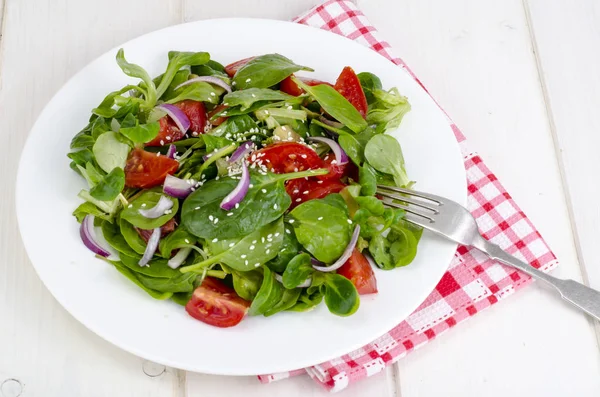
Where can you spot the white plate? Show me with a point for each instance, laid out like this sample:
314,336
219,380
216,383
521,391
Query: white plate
120,312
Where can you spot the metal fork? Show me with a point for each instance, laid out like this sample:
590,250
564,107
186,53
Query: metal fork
453,221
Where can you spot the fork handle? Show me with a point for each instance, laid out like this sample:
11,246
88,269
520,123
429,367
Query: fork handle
585,298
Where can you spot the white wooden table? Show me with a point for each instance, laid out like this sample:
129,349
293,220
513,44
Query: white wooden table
520,77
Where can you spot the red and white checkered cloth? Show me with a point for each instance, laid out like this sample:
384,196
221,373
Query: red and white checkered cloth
473,282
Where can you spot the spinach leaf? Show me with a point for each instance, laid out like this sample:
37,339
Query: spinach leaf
388,109
265,71
147,200
288,300
235,125
307,301
369,82
269,294
176,239
213,143
383,153
110,186
131,236
336,200
297,271
109,152
88,208
247,253
211,68
265,201
247,284
132,277
81,158
141,133
177,60
109,207
354,145
182,298
112,234
133,70
157,267
397,249
82,140
179,78
322,229
335,104
372,204
199,91
368,180
179,283
246,98
341,296
105,109
289,248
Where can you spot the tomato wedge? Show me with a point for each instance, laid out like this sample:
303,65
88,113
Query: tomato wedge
358,270
302,190
216,304
145,170
349,86
218,120
288,86
164,230
232,68
169,132
286,157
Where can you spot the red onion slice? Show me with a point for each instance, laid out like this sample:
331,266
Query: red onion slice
241,151
305,284
178,188
237,194
94,239
340,155
151,247
345,256
177,115
178,259
331,123
208,79
158,210
171,151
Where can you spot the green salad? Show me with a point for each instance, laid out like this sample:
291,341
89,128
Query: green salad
244,189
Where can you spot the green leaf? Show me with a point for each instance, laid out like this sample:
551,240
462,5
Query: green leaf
141,133
182,298
247,284
297,271
148,199
176,239
177,60
179,78
372,204
132,237
81,157
109,152
398,248
369,83
110,186
214,143
132,277
336,200
235,125
368,180
265,71
289,248
88,208
133,70
269,294
112,234
287,301
198,91
341,296
246,98
322,229
383,153
247,253
157,267
211,68
387,109
307,301
159,276
106,108
336,105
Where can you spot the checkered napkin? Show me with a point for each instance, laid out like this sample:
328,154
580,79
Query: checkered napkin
473,282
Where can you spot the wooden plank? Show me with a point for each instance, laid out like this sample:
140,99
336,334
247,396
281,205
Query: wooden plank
476,59
284,9
44,349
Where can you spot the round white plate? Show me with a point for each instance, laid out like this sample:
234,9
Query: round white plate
118,311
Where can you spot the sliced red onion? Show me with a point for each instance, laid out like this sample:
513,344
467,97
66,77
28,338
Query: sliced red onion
237,194
331,123
178,188
158,210
151,247
171,151
345,256
218,152
340,155
307,283
208,79
241,151
178,259
177,115
316,262
94,239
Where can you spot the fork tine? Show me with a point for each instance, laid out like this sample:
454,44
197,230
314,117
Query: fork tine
427,196
409,210
409,200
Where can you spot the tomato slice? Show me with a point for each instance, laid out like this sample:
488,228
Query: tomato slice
349,86
145,170
216,304
337,171
164,230
169,132
358,270
302,190
232,68
288,86
286,157
218,120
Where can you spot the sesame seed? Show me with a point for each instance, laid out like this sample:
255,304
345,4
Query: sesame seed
217,178
319,182
231,244
287,231
143,205
215,240
248,80
233,83
252,247
274,206
197,208
320,218
229,213
157,154
253,96
292,220
162,142
262,239
213,94
243,256
168,138
303,156
263,190
254,242
349,221
305,192
267,251
237,205
289,108
130,205
277,234
187,241
216,220
194,133
211,218
256,264
250,186
298,200
296,191
226,104
296,169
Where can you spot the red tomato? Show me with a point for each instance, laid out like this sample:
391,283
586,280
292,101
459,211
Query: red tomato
358,270
283,158
145,170
218,120
169,132
289,87
349,86
164,230
232,68
216,304
336,171
297,188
